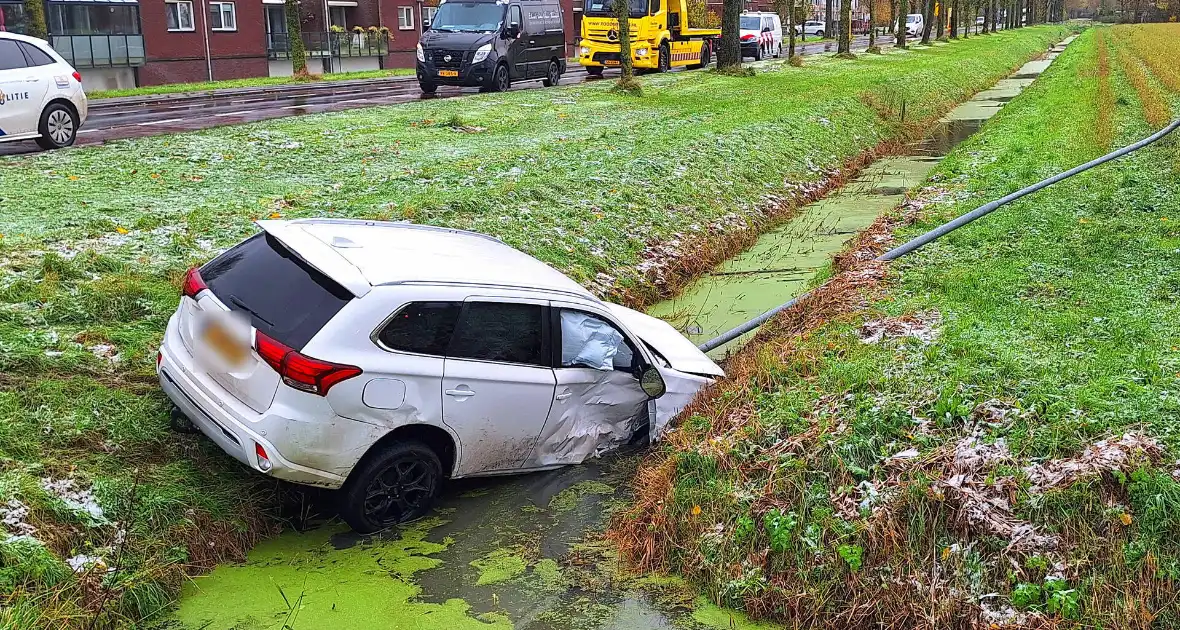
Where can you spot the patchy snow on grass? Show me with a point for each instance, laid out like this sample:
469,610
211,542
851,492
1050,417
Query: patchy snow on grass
79,500
14,515
82,562
1103,456
922,326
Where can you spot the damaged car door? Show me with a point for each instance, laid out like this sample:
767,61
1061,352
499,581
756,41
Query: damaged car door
498,382
598,402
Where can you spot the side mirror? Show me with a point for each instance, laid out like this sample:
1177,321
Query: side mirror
513,31
652,382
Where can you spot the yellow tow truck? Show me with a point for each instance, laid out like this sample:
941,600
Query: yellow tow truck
662,36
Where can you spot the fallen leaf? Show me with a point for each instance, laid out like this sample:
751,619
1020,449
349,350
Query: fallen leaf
121,230
73,178
696,510
275,215
1125,518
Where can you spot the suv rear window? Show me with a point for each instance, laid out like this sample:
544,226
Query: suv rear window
286,298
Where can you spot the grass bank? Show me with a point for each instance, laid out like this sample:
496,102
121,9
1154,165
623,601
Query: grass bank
253,82
604,187
982,434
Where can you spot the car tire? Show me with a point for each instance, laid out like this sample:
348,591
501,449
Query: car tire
664,63
758,53
397,484
58,127
594,71
819,34
778,53
705,57
427,88
500,81
552,75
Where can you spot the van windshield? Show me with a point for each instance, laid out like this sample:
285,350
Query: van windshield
910,19
468,17
606,8
751,23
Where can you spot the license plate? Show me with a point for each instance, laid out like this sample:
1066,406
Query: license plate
610,62
224,344
448,73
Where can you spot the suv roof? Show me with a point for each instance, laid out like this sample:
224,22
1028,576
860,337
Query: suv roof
362,254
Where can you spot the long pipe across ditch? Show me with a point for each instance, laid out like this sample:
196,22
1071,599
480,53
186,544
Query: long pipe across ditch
947,228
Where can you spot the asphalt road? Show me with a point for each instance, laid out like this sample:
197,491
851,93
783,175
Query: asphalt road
115,119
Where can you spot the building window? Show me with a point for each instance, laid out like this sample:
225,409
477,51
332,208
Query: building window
12,17
428,16
89,19
405,18
180,15
223,16
338,17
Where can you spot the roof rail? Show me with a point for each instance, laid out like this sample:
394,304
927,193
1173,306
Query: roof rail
405,225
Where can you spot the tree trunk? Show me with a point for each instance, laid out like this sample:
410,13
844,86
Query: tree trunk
927,20
955,19
845,44
623,15
940,10
901,11
872,24
729,53
791,30
295,38
829,24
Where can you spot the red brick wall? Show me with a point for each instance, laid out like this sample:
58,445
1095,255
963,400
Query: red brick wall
401,43
179,57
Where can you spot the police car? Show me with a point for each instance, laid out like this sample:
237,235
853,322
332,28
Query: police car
41,95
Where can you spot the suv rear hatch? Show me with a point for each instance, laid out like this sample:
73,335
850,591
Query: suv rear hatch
283,297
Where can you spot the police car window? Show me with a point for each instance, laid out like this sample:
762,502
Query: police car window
36,56
10,55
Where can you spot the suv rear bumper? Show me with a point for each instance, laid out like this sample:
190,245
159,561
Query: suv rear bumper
224,427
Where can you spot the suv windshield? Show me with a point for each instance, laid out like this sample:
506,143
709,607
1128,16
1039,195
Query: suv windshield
468,17
751,23
606,8
286,299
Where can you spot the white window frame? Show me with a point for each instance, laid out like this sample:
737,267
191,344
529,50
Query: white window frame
180,27
405,18
220,7
432,10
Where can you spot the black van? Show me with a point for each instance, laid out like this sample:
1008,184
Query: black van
491,43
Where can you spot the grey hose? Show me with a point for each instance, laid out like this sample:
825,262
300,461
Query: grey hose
946,228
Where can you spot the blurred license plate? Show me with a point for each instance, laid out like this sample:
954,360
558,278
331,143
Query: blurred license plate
224,344
610,62
448,73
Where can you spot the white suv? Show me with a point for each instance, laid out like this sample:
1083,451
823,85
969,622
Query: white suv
380,358
41,95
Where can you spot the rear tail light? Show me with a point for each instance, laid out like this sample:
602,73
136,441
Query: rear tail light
301,371
77,76
263,461
193,283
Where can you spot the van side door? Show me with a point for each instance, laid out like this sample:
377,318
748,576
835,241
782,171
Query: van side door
546,36
518,47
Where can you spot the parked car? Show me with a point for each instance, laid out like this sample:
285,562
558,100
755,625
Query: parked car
979,21
811,28
41,95
491,43
380,358
914,24
761,35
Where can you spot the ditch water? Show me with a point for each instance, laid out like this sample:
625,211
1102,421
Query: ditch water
518,552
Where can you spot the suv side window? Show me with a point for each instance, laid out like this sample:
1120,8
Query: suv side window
11,57
36,56
500,331
421,327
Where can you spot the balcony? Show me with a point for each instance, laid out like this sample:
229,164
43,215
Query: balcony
330,44
99,51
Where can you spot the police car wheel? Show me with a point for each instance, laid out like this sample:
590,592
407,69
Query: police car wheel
58,127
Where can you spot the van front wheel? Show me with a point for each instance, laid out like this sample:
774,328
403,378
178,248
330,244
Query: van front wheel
553,75
500,82
396,485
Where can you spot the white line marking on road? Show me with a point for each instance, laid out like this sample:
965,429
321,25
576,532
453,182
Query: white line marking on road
82,131
160,122
237,113
353,100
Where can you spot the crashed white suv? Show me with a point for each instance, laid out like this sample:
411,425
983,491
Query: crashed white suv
379,358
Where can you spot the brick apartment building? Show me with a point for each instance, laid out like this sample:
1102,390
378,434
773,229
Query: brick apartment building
124,43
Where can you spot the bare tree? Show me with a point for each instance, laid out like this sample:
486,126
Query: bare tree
828,23
844,45
729,52
791,28
902,7
623,15
295,39
954,18
873,26
927,20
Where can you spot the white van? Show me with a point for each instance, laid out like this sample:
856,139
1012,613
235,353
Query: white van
914,25
761,35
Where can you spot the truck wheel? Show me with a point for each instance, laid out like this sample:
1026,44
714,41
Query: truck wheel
395,485
58,127
594,71
500,82
704,58
664,63
553,75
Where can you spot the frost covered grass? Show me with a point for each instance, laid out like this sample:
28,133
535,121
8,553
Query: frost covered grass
95,240
254,82
982,434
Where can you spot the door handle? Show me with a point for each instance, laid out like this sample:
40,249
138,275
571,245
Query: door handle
459,393
564,395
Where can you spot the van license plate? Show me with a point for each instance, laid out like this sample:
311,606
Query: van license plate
610,62
448,73
223,343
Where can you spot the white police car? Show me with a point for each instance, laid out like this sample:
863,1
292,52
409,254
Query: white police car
41,95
